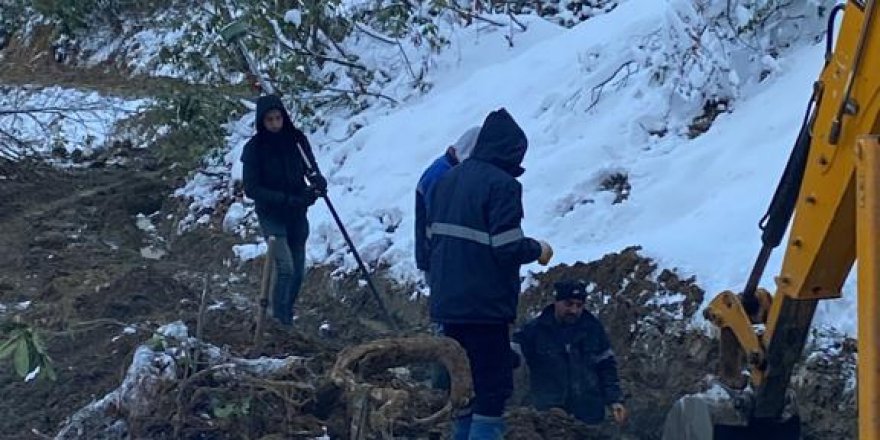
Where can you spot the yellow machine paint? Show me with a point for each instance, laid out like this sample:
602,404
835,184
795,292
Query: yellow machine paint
836,222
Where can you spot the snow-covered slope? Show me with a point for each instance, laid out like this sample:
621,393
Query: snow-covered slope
46,118
613,95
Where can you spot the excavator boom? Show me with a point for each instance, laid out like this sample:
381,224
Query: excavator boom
834,172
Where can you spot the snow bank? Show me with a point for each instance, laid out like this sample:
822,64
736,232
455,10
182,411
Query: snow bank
49,118
615,95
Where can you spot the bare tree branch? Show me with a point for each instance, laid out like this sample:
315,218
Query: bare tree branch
307,52
363,92
470,14
283,83
361,27
52,109
522,26
596,91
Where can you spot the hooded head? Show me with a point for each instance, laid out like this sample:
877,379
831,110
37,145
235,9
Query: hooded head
265,105
502,143
465,144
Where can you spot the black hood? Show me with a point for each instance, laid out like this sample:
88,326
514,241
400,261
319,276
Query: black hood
264,105
502,143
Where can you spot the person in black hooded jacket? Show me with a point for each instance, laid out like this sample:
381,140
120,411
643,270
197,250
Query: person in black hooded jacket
476,249
283,186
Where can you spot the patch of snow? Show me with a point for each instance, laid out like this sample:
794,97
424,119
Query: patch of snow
294,17
144,223
247,252
662,300
234,216
153,253
155,244
148,370
47,118
32,375
175,330
219,305
326,436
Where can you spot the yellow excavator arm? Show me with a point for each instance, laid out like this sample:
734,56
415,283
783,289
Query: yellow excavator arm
832,186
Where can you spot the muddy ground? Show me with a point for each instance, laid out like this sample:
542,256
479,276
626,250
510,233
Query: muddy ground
72,249
72,266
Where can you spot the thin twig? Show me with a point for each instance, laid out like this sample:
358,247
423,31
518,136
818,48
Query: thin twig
374,34
522,26
53,110
364,92
286,83
307,52
84,326
200,322
472,15
406,59
596,91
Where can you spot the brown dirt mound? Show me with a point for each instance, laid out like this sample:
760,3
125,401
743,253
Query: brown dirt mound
73,250
646,312
528,424
141,294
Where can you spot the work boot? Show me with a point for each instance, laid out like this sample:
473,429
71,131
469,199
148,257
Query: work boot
461,428
486,428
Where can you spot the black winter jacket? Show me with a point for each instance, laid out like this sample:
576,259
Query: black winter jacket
477,244
571,368
274,171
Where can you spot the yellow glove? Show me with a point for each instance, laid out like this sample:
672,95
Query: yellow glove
546,253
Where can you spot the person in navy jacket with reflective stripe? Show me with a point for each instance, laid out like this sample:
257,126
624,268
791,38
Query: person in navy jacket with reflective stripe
476,249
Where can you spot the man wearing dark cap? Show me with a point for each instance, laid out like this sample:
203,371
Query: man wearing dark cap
571,364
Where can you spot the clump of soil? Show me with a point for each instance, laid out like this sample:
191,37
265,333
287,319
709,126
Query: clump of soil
617,183
711,110
826,387
528,424
72,250
646,312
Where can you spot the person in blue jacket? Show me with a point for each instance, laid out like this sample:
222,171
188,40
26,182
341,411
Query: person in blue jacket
283,186
454,155
476,248
571,364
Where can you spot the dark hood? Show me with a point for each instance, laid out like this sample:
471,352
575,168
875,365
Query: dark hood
264,105
502,143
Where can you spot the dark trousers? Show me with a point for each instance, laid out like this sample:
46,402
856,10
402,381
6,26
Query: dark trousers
488,350
439,375
290,262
